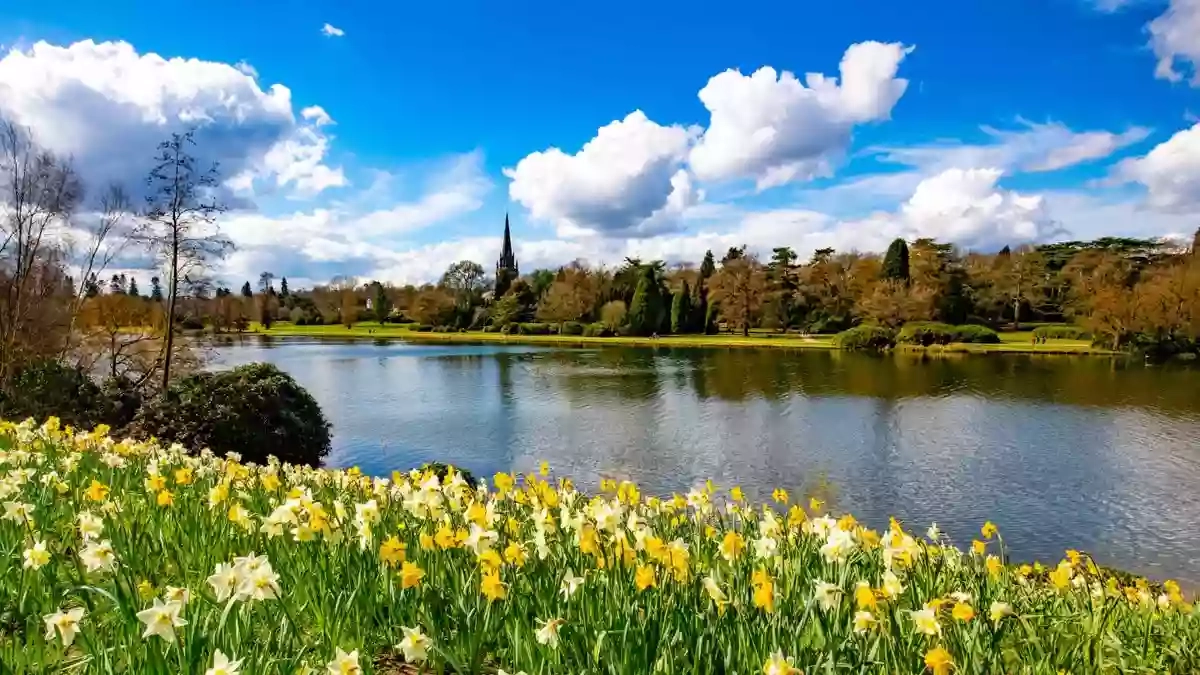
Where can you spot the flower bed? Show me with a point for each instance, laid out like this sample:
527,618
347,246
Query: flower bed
121,556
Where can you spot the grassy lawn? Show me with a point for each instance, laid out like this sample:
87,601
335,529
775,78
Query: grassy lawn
1010,342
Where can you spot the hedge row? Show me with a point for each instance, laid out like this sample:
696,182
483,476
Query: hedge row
865,337
1062,332
925,334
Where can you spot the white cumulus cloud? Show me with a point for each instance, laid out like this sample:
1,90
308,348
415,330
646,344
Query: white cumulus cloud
1175,39
1170,172
108,107
773,128
628,180
330,30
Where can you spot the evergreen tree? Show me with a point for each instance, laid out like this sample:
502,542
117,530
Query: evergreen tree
381,305
1196,243
708,267
91,287
646,311
681,310
1005,252
156,293
283,288
115,287
710,318
133,289
247,291
895,262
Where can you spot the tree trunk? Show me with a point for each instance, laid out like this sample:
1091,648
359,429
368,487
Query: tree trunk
1017,313
171,310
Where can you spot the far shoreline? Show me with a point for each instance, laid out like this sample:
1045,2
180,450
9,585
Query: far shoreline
1011,343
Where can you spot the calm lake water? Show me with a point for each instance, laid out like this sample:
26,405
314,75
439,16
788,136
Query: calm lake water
1060,452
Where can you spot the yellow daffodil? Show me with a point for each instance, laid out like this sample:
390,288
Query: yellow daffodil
491,586
391,552
644,577
938,661
410,575
988,530
97,491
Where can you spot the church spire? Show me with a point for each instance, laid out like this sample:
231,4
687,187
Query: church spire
507,259
506,266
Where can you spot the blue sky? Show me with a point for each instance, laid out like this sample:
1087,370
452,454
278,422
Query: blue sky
1016,121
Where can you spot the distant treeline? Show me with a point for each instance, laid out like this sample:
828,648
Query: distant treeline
1125,293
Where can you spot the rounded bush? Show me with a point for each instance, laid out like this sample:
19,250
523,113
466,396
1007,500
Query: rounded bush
51,388
1062,332
572,328
534,329
595,330
254,410
865,337
925,334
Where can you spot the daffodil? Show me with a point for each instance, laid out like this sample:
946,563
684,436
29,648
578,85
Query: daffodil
999,610
938,661
65,624
570,584
91,526
827,595
863,621
97,556
547,633
643,578
224,581
344,664
223,665
36,556
410,575
778,664
925,622
492,588
162,619
414,645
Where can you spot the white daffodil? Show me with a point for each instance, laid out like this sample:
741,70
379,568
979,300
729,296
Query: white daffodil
344,664
66,624
827,595
91,526
547,633
36,556
98,556
415,645
223,665
224,581
570,584
162,619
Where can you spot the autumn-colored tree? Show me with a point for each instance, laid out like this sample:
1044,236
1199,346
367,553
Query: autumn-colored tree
738,288
1020,278
893,303
612,315
570,297
432,306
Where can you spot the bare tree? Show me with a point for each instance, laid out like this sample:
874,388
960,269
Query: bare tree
39,193
96,245
181,224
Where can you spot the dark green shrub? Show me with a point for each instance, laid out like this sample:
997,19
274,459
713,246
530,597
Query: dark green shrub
1062,332
422,328
925,333
595,330
51,388
572,328
929,333
975,334
122,400
191,323
254,410
534,328
865,337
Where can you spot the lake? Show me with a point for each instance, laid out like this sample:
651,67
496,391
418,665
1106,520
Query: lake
1092,453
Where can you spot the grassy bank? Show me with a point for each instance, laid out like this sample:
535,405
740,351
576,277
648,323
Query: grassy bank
130,557
1012,342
